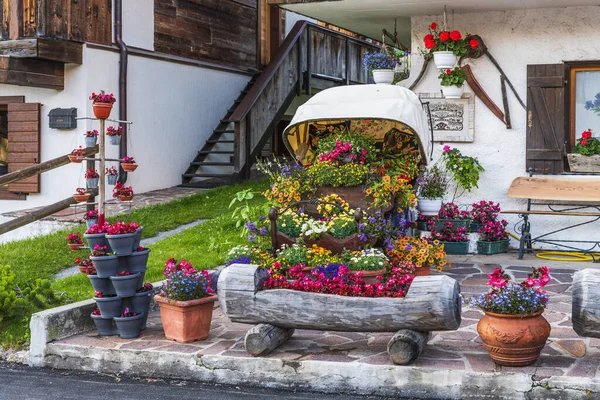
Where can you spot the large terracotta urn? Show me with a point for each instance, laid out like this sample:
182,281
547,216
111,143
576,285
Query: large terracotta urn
513,340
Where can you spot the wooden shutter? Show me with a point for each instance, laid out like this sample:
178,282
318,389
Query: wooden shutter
546,118
24,144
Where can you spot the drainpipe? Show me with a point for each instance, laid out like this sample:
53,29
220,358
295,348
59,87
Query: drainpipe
118,29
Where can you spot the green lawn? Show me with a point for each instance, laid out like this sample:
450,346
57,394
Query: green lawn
204,245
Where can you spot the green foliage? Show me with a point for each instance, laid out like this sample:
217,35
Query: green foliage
9,304
455,77
590,148
464,169
292,255
341,228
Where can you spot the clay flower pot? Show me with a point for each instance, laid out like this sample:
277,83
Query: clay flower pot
423,271
129,167
186,321
102,110
75,246
513,340
75,159
125,198
80,198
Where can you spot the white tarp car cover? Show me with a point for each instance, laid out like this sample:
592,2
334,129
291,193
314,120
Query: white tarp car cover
370,109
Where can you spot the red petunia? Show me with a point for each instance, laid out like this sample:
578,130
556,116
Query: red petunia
444,36
429,44
455,35
433,26
427,37
473,43
586,134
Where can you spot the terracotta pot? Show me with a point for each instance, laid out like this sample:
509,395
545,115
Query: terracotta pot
129,167
125,198
371,276
75,246
102,110
82,269
80,198
423,271
75,159
186,321
513,340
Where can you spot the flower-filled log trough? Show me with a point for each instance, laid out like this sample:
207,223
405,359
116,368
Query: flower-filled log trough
431,304
586,303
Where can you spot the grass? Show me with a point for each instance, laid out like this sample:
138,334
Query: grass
204,245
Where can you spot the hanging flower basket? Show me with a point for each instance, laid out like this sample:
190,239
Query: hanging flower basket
125,197
112,179
90,141
81,198
444,59
115,140
75,159
89,222
453,92
129,167
383,76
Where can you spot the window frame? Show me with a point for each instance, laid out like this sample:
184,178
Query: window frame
571,69
4,193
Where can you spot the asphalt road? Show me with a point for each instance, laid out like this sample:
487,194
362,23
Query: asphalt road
19,382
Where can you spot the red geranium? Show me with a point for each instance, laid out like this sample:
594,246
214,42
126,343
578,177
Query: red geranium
448,71
433,26
427,37
455,35
429,44
583,142
444,36
586,134
473,43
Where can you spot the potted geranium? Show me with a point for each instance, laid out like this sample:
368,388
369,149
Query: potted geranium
445,46
493,238
585,156
455,240
85,265
90,138
91,218
77,155
96,235
122,236
129,323
105,326
122,192
102,104
186,302
109,304
451,213
112,174
513,330
81,195
128,164
432,186
91,178
483,212
381,65
421,253
74,241
114,134
125,283
453,83
105,262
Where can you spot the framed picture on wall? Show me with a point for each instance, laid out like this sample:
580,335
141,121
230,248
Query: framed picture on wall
453,119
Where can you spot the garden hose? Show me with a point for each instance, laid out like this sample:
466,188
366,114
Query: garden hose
573,256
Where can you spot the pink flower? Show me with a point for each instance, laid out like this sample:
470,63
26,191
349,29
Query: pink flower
446,149
544,280
530,282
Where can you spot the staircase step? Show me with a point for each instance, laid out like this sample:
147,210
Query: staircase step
211,163
223,131
200,175
219,141
216,152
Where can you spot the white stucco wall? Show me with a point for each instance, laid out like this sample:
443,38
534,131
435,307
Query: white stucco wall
291,18
138,23
515,39
174,108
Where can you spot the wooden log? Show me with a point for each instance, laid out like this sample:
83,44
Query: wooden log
406,345
264,338
586,303
432,304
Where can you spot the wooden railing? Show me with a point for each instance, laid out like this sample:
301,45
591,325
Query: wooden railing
311,57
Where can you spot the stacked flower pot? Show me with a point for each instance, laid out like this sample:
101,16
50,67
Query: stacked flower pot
120,263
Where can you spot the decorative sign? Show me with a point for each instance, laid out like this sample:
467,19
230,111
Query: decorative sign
453,119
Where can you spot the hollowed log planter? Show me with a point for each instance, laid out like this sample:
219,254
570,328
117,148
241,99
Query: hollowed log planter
110,307
586,303
105,326
106,266
432,304
129,327
127,285
122,245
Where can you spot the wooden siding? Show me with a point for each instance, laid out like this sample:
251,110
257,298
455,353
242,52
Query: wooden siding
217,31
24,144
32,72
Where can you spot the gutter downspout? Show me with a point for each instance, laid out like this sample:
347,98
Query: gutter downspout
118,29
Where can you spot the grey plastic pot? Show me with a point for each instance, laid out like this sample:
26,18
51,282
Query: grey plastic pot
89,222
112,179
90,141
105,326
110,307
115,140
106,266
92,183
138,238
103,285
124,264
126,286
129,327
140,303
122,245
96,239
138,261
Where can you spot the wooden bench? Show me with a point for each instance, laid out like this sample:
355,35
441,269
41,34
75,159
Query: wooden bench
562,197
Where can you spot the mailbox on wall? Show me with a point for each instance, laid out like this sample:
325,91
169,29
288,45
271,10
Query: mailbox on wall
63,118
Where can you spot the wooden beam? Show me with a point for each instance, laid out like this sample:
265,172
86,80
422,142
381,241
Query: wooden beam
32,72
39,214
284,2
42,167
13,17
43,49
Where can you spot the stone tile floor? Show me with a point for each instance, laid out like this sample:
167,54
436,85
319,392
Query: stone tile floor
565,354
114,207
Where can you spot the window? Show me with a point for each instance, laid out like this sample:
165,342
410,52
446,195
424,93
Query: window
584,99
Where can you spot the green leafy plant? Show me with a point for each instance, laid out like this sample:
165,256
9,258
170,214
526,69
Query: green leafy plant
453,77
587,145
342,227
465,170
244,211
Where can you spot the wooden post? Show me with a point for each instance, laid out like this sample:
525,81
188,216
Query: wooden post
264,338
101,168
406,345
347,61
586,303
273,219
308,59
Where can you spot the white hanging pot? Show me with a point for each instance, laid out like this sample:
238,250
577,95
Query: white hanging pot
453,92
429,206
383,76
444,59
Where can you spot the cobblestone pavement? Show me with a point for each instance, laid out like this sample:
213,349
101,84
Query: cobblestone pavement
565,354
114,207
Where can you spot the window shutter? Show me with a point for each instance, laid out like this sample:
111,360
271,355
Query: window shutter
546,118
24,144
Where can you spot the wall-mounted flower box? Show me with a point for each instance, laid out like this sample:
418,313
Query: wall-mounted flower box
581,163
